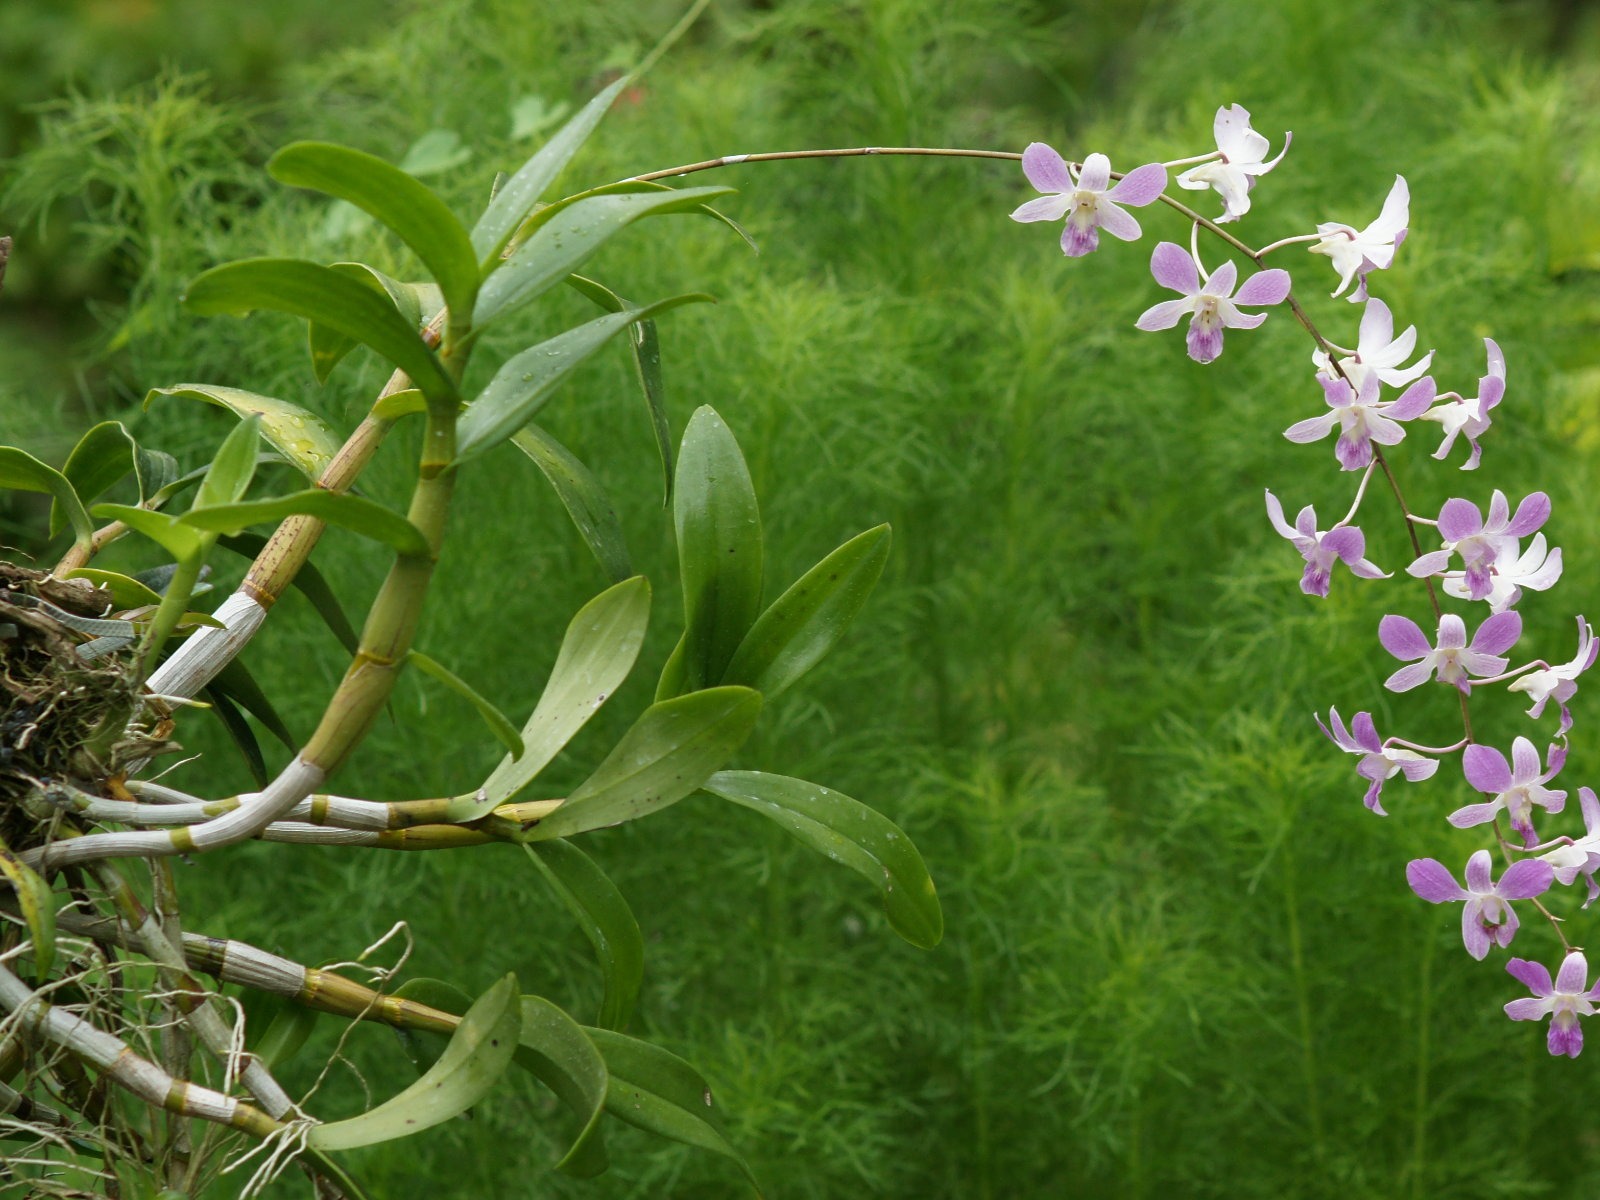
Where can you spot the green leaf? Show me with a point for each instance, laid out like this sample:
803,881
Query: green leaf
239,733
719,547
336,508
582,496
519,193
37,905
563,244
601,643
504,731
126,591
287,1030
21,470
237,685
424,1048
330,297
674,679
606,920
559,1053
232,468
848,832
180,541
309,581
416,215
519,389
670,751
434,153
400,404
808,620
647,364
655,1090
298,434
328,346
478,1054
102,457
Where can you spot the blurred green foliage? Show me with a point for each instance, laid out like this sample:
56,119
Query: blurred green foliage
1180,956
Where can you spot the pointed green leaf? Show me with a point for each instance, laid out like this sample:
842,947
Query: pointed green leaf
21,470
235,682
582,496
435,152
556,1050
647,365
298,434
349,512
657,1091
673,680
232,468
606,920
180,541
102,457
519,193
808,620
570,237
848,832
37,906
424,1048
329,346
239,733
670,751
322,294
287,1030
408,207
519,389
601,643
308,581
504,731
478,1054
126,591
400,404
719,547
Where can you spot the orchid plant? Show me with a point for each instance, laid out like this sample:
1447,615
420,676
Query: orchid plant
116,660
1495,559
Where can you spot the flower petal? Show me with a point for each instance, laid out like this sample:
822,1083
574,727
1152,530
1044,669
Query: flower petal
1164,315
1139,186
1403,638
1486,769
1526,879
1115,221
1431,879
1096,173
1042,208
1265,287
1045,168
1498,634
1532,975
1174,267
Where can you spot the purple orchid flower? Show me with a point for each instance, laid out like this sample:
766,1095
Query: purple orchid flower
1560,683
1378,351
1372,249
1346,544
1480,543
1084,200
1378,762
1517,788
1451,660
1537,568
1213,304
1242,151
1580,856
1362,420
1564,1002
1471,417
1488,919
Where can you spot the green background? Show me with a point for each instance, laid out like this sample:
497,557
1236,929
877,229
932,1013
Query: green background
1181,958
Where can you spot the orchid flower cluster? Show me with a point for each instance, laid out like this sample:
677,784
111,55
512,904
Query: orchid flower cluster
1373,397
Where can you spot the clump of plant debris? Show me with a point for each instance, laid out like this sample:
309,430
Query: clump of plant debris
64,709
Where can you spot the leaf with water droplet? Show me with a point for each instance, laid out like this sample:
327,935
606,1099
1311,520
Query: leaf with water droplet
302,437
